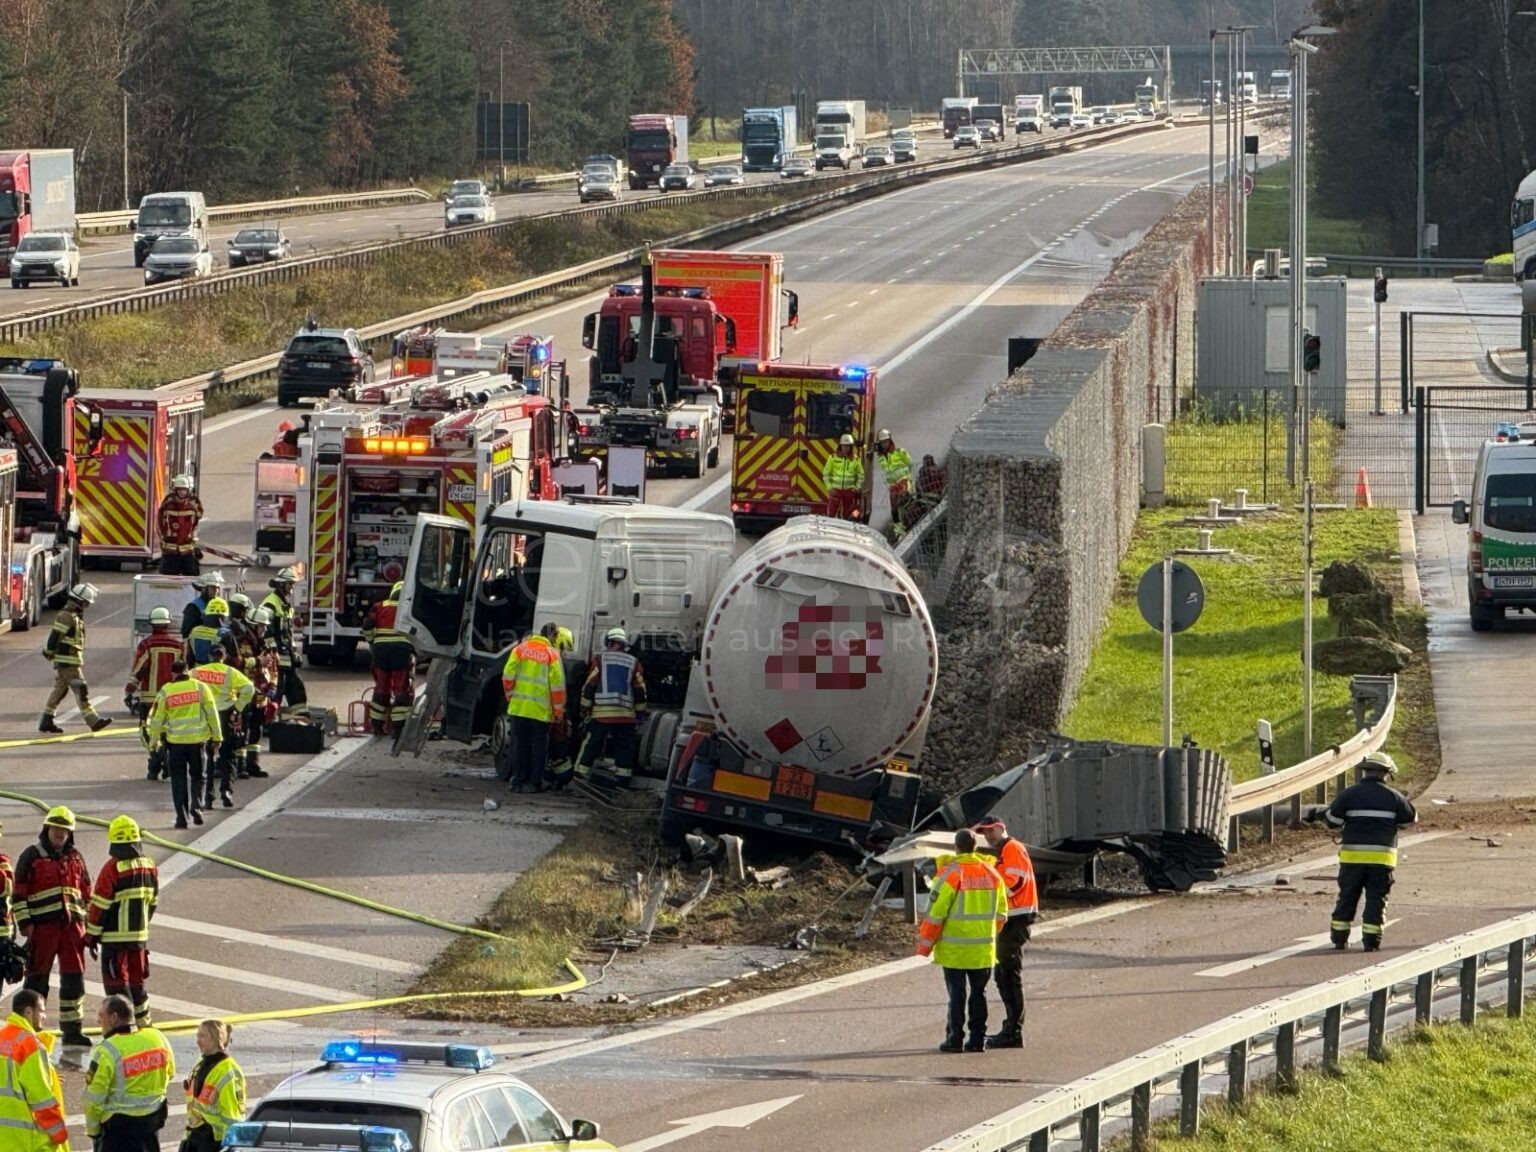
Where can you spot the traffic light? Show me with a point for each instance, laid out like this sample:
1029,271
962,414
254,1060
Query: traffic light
1381,287
1312,352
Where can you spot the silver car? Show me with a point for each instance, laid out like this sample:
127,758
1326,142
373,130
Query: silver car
598,184
724,176
877,156
46,256
177,258
466,210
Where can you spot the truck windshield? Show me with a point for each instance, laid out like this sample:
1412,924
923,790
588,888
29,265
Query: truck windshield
763,133
651,138
1510,502
164,215
8,209
829,141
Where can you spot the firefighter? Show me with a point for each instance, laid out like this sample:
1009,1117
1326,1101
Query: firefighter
232,693
1369,814
215,1090
52,893
126,1082
290,687
122,905
1018,873
968,907
186,717
152,662
32,1105
210,586
212,632
65,650
615,685
7,889
896,470
394,666
264,674
843,474
180,514
534,682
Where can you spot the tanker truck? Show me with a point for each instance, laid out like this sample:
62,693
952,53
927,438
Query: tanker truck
788,691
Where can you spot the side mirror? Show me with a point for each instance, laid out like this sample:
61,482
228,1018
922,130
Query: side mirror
133,224
589,330
1459,512
93,432
585,1130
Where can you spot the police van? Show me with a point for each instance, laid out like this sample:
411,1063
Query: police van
1501,526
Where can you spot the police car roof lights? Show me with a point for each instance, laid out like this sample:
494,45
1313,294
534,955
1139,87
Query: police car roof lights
282,1134
468,1057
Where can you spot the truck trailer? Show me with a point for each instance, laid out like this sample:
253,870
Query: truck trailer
37,194
840,131
768,138
652,141
956,112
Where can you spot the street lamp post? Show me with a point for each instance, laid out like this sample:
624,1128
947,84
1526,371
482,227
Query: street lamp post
501,114
1210,166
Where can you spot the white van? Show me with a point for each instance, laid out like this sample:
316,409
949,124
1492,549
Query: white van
1501,522
168,214
1522,218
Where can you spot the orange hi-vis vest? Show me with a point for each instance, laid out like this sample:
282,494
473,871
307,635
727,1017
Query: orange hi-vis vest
1018,873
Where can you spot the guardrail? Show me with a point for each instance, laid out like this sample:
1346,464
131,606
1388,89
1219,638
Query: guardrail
1438,981
1432,265
100,222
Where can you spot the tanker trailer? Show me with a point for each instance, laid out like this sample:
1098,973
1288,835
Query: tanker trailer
808,705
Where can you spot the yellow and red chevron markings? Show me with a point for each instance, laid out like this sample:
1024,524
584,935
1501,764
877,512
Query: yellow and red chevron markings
460,476
118,499
327,504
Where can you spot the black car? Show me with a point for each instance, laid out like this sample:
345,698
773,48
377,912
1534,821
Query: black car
318,360
258,246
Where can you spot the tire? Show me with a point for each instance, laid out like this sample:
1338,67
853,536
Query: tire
501,734
1483,618
318,655
700,465
284,401
673,825
1530,268
658,757
714,455
30,614
344,655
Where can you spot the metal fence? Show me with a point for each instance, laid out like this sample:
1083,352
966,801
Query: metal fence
1450,423
1450,347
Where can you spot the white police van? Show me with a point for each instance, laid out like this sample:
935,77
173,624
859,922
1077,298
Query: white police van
1501,526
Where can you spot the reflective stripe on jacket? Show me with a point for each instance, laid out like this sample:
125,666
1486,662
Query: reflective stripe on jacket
966,909
1018,873
231,688
184,713
127,888
66,642
615,682
280,631
153,658
843,472
177,522
380,626
128,1076
31,1105
1369,814
896,467
534,681
51,886
219,1100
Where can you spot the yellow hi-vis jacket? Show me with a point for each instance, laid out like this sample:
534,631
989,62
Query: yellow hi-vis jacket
220,1102
534,681
966,910
842,472
184,713
128,1076
231,688
31,1101
896,467
66,641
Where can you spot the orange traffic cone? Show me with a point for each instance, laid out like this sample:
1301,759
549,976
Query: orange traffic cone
1362,491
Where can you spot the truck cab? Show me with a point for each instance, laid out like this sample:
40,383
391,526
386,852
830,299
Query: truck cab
168,214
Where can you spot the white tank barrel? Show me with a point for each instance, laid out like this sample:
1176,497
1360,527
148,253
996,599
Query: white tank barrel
819,651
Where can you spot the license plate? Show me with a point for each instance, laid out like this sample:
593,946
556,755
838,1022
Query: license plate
1514,581
317,364
798,509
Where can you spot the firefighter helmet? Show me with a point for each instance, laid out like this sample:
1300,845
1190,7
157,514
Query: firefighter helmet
286,576
261,616
1381,762
159,616
216,607
182,481
240,600
845,441
123,830
214,579
84,593
60,817
616,635
885,434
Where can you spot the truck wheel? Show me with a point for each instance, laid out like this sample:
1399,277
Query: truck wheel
1530,268
714,455
659,754
318,655
344,654
31,613
1483,618
701,465
673,826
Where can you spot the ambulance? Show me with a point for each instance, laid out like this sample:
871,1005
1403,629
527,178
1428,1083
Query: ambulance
790,419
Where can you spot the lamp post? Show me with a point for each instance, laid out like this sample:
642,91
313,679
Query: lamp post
1210,225
501,114
1210,166
1418,244
1240,218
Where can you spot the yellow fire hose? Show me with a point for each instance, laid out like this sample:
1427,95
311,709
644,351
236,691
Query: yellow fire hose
577,982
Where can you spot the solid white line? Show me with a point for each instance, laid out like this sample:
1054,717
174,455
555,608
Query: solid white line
230,419
541,817
1318,942
257,979
282,944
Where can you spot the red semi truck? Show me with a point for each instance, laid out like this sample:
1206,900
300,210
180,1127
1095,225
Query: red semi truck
37,194
651,142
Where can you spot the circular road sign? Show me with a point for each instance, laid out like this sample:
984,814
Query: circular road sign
1247,185
1188,596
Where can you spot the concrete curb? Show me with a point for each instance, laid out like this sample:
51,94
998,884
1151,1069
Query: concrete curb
1507,364
1408,549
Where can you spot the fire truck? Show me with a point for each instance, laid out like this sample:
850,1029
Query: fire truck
367,471
791,418
527,358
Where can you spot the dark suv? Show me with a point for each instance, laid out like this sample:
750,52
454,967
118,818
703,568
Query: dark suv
318,360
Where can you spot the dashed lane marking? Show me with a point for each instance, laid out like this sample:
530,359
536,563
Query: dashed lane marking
224,932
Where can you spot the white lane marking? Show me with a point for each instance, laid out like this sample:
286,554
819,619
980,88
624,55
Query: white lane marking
743,1116
554,817
1317,942
230,419
257,979
758,1004
357,959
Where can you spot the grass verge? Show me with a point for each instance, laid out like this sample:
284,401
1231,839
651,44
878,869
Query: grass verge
1445,1089
1214,455
1242,660
1269,221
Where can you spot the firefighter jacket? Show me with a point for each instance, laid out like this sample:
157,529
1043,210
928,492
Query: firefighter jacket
216,1095
178,522
231,688
51,886
127,888
7,888
281,628
202,638
152,660
247,647
842,472
379,628
267,671
534,681
1370,814
129,1073
1018,873
184,713
896,467
66,643
31,1102
615,684
966,911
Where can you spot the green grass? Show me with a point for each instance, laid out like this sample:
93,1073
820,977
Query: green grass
1209,456
1446,1089
1242,661
1269,221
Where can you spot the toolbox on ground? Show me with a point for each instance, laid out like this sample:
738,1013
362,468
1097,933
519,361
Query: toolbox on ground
292,737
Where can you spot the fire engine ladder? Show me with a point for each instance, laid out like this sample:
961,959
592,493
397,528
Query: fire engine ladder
32,451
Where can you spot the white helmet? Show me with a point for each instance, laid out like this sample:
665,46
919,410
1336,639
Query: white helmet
85,593
261,616
616,635
885,434
845,441
182,481
214,579
1381,762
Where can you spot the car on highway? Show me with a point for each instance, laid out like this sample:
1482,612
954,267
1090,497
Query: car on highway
1080,120
1102,114
967,137
258,246
318,360
678,178
465,188
903,147
605,160
463,211
794,169
177,258
598,182
991,131
724,176
46,256
409,1096
877,156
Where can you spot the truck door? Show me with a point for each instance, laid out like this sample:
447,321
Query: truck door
829,415
438,576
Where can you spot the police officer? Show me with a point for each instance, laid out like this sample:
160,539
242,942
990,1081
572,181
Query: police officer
615,685
1369,814
215,1090
186,717
122,903
232,692
180,513
843,475
126,1082
65,650
209,587
278,603
152,663
32,1104
51,895
394,662
534,682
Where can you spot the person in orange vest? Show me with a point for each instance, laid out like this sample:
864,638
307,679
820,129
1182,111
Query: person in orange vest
32,1106
180,514
967,906
394,665
1018,873
534,681
152,662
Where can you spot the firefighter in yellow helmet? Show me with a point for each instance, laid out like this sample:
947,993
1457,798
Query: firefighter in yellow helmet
51,894
122,904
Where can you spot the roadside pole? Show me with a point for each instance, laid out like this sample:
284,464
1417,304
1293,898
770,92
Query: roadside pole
1167,651
1379,294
